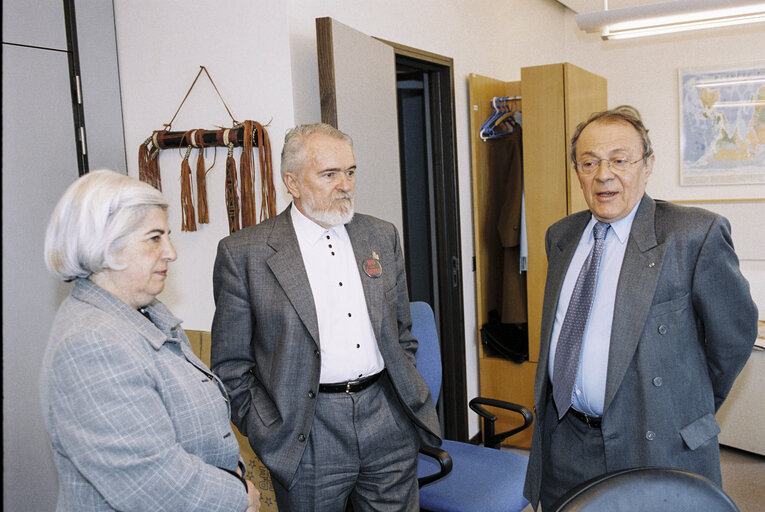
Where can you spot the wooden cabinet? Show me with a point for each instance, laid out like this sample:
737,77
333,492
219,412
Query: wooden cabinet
554,99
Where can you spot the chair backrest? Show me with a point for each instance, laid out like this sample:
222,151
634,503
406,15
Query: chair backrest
646,488
428,351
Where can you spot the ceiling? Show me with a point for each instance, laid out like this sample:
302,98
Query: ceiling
582,6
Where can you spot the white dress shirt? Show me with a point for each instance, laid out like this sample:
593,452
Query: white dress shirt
590,385
346,339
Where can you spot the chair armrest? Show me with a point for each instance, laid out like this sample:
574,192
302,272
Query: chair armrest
490,439
444,460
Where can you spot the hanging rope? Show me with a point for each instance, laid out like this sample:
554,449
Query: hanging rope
239,193
201,68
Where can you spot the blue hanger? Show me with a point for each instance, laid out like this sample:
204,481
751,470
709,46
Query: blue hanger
502,120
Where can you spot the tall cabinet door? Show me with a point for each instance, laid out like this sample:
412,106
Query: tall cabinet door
556,98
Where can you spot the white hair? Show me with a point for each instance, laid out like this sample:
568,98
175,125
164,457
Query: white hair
293,151
92,220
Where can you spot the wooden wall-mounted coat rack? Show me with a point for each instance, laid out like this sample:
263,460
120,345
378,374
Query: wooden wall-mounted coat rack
248,135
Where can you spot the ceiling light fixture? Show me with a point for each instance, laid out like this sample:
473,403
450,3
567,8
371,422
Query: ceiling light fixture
668,17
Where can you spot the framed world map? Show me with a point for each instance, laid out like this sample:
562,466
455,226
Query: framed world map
722,126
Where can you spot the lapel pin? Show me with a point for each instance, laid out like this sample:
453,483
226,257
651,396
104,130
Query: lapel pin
372,266
651,265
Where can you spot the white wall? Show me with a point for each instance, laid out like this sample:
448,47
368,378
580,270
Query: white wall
262,56
244,46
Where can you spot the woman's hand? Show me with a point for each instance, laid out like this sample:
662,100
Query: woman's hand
253,498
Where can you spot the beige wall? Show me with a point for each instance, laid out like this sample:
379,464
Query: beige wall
262,56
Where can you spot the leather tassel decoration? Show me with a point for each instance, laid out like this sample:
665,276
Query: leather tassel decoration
232,197
267,192
202,213
144,160
187,202
246,165
154,175
148,164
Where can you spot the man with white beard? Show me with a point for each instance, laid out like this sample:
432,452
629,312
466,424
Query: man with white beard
312,340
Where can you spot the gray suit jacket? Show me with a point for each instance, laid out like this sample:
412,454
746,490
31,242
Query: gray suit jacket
136,421
684,325
265,335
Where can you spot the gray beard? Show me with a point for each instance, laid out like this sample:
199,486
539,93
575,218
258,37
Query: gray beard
328,217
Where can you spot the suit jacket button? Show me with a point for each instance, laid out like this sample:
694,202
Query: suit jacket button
301,438
650,435
663,329
658,381
311,394
316,353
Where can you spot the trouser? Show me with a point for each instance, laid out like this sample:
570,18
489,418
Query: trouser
575,454
363,448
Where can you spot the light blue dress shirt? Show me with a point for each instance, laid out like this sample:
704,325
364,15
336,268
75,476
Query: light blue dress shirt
590,386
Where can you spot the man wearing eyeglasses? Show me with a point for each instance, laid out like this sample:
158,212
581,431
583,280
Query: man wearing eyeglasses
646,323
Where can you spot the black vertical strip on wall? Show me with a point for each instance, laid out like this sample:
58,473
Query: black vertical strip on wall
75,86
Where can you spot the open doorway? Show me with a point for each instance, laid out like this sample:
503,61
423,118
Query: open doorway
430,205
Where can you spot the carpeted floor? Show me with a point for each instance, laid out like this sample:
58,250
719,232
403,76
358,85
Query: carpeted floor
743,478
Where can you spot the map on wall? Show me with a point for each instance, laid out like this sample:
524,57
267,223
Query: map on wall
722,126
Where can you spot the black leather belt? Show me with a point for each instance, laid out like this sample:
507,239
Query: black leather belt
590,421
352,386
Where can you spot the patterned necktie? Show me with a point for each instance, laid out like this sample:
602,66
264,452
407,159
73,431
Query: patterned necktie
570,338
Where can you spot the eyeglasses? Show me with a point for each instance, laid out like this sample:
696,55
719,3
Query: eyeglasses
617,163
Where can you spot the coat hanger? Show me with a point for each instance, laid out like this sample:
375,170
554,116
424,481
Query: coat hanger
501,121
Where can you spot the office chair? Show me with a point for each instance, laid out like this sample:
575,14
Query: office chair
462,477
646,489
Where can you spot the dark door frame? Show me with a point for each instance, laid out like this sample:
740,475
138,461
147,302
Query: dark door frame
448,308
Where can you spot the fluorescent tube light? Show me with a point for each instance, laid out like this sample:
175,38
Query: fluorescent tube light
668,17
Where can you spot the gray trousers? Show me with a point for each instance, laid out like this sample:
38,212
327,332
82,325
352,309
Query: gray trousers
576,454
363,448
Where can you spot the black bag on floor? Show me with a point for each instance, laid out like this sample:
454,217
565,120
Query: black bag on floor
510,341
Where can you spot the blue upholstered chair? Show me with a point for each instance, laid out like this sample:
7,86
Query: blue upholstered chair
647,488
462,477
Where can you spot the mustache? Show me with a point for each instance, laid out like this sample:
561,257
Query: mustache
344,195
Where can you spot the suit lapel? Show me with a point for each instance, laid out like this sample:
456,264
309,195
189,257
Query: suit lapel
287,265
364,242
641,268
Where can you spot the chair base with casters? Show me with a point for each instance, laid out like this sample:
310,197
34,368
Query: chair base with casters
464,477
646,489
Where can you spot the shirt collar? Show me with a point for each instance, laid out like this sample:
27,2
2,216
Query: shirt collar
310,232
621,228
161,327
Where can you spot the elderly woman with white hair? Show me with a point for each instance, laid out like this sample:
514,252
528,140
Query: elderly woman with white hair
136,421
